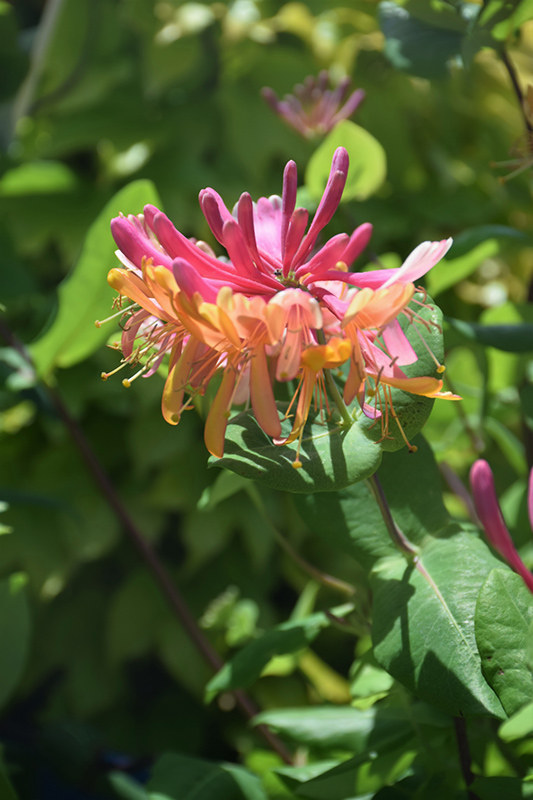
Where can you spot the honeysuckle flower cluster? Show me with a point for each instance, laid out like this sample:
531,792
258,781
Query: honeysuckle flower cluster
277,309
314,109
491,517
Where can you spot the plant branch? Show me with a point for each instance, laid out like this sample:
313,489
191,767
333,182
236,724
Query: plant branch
464,754
400,540
159,572
323,578
517,90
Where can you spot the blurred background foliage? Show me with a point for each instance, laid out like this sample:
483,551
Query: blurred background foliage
95,94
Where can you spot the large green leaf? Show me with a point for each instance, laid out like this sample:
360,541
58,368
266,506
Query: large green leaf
356,779
289,637
332,457
85,296
350,519
176,777
368,163
14,633
416,46
339,727
423,623
504,612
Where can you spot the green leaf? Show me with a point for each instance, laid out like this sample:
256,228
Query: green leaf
412,45
510,338
339,727
178,777
332,457
127,787
518,726
504,612
14,633
358,778
350,519
225,485
422,623
85,296
368,162
37,177
289,637
498,787
503,17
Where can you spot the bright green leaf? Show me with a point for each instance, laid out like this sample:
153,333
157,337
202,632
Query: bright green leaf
518,726
504,612
289,637
85,296
37,177
339,727
368,163
422,623
332,457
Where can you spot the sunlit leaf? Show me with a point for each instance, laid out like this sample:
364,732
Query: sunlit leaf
504,612
368,163
422,628
85,296
247,664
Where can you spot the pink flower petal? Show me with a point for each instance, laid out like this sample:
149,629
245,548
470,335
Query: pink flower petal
489,512
420,261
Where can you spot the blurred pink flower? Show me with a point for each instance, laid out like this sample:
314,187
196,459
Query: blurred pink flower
489,512
314,109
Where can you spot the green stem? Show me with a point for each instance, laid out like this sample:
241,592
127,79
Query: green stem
334,389
329,581
399,539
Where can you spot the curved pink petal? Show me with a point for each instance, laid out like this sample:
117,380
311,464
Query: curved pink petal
329,202
136,245
420,261
489,512
530,498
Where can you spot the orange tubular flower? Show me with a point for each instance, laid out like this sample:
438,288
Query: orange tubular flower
314,360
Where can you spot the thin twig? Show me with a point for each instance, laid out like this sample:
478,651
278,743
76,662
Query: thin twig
162,578
329,581
465,759
516,86
398,537
459,489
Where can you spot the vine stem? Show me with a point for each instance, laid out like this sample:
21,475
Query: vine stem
465,759
400,540
323,578
516,86
159,572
